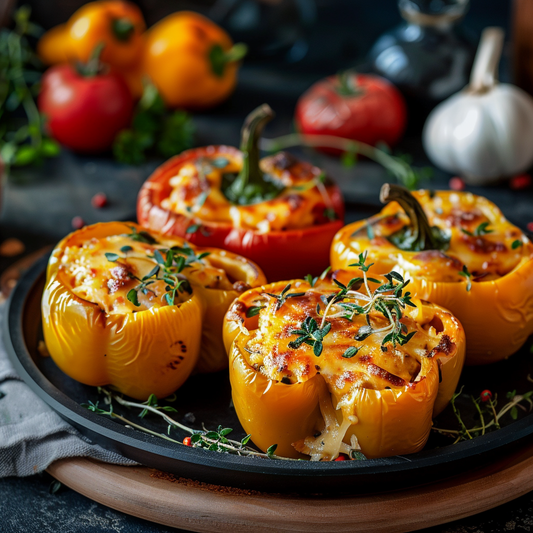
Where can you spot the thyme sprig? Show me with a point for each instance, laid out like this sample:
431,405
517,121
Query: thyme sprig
214,440
482,229
169,265
465,273
388,299
489,415
283,296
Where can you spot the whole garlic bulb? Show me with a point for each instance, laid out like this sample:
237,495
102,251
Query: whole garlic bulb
485,131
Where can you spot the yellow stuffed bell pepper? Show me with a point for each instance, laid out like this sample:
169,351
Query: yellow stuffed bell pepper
192,61
460,252
138,311
338,365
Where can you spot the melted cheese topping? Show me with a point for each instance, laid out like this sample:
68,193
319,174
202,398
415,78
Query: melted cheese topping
106,280
487,256
196,193
268,350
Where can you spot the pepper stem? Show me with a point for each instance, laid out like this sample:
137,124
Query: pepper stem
93,67
250,184
419,235
220,58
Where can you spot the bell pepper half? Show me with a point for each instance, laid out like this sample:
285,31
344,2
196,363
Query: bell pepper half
280,212
316,369
136,310
460,252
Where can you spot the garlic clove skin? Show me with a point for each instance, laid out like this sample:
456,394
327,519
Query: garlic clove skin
482,135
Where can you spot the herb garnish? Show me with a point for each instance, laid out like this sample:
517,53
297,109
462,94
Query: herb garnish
283,296
516,244
482,229
468,276
216,441
168,268
388,299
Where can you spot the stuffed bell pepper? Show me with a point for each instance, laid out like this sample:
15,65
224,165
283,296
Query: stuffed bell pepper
136,310
341,365
459,252
280,212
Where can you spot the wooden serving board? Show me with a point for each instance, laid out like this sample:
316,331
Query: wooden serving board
186,504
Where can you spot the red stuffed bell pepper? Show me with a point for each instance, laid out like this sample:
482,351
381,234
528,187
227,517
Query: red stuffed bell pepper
280,212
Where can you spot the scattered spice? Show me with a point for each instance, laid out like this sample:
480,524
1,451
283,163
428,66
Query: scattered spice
78,223
99,200
522,181
457,184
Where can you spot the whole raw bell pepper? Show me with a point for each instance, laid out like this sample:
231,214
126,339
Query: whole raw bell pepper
192,61
138,311
280,212
459,252
115,25
318,367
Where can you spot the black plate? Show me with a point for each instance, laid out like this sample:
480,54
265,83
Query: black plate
208,398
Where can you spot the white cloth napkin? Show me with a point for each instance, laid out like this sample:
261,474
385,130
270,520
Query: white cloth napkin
32,435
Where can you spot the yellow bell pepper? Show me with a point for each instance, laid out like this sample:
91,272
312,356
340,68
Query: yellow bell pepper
192,62
361,392
117,25
459,252
111,316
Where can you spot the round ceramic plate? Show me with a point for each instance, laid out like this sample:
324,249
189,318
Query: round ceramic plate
207,400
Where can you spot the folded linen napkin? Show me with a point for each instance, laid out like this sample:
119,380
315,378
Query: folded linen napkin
32,435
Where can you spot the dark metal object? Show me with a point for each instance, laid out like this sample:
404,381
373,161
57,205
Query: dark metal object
22,332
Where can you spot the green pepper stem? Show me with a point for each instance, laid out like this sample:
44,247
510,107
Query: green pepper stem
251,173
422,236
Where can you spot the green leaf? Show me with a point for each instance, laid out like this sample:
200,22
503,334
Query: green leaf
516,244
193,228
225,431
317,348
219,162
126,249
49,148
169,298
253,311
350,352
159,258
514,412
25,155
246,440
112,257
133,297
176,135
272,450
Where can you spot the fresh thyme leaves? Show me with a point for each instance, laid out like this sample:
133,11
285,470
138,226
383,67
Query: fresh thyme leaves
283,296
311,334
516,244
216,441
490,417
350,352
388,299
254,311
312,280
168,268
193,228
468,276
482,229
140,236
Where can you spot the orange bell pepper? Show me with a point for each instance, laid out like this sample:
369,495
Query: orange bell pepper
117,25
459,252
111,316
192,62
358,390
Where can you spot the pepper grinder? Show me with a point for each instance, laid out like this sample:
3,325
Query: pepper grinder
428,57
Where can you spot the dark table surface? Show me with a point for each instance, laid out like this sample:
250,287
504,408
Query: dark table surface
39,204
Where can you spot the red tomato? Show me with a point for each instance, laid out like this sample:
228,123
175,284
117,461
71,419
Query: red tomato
84,113
360,107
